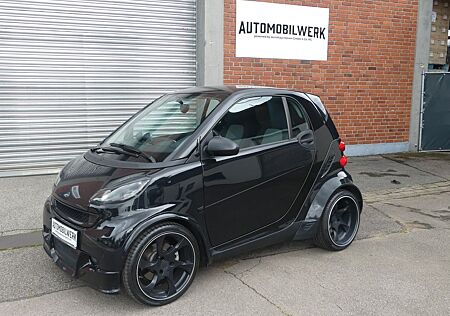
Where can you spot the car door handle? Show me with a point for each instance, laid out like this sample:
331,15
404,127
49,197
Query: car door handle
306,138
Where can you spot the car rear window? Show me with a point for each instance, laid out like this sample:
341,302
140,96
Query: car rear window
299,121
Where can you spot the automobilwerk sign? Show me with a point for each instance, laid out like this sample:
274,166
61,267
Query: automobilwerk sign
270,30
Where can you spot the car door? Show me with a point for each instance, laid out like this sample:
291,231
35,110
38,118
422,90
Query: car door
256,187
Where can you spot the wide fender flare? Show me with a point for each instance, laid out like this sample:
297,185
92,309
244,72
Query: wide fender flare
188,222
340,181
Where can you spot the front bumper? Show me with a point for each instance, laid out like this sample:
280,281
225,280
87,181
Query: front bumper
84,262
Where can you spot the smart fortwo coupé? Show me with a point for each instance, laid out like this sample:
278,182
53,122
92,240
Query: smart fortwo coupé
195,176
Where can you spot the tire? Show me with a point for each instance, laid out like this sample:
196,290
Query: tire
161,264
339,223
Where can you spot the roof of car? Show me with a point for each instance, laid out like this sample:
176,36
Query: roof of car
246,90
230,89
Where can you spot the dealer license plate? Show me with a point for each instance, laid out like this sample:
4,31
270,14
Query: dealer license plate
64,233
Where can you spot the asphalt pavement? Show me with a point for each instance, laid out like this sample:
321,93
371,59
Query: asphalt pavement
399,264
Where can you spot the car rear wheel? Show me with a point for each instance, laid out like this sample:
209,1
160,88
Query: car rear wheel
339,223
161,264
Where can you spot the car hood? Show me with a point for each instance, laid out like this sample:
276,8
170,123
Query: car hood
80,179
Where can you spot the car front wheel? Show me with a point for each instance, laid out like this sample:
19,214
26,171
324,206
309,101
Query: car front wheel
339,223
161,264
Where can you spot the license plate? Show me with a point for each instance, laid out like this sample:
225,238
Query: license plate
64,233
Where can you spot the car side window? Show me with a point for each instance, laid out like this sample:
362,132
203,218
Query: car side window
254,121
298,117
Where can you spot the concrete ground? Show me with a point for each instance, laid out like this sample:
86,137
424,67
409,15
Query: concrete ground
399,264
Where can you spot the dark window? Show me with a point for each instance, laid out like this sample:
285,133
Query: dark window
298,117
255,121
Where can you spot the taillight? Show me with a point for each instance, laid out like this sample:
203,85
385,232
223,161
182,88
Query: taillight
343,161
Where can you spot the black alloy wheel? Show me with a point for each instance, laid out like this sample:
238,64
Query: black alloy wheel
339,223
161,264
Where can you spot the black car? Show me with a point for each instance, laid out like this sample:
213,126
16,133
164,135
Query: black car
196,176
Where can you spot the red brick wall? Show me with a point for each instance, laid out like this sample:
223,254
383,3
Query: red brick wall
367,81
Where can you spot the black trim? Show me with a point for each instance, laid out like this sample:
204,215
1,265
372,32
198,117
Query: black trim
255,149
107,282
264,241
288,116
307,229
100,160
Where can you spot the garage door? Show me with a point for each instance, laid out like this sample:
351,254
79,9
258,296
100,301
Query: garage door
72,71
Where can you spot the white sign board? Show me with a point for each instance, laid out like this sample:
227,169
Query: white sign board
281,31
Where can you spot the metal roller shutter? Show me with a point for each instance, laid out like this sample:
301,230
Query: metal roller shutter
72,71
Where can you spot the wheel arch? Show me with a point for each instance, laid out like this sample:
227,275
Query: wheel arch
184,221
340,181
195,230
356,192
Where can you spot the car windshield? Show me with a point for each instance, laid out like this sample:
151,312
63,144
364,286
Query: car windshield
164,125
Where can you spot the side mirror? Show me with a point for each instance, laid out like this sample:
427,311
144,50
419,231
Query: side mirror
221,146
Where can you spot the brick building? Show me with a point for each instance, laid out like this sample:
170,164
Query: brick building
366,83
72,71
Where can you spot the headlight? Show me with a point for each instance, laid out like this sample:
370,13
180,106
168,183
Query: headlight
119,194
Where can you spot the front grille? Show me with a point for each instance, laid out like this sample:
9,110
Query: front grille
75,215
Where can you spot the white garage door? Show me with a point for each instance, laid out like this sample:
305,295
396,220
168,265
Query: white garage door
72,71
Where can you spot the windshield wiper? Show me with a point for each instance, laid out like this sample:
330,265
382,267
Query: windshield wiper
131,150
108,149
119,149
